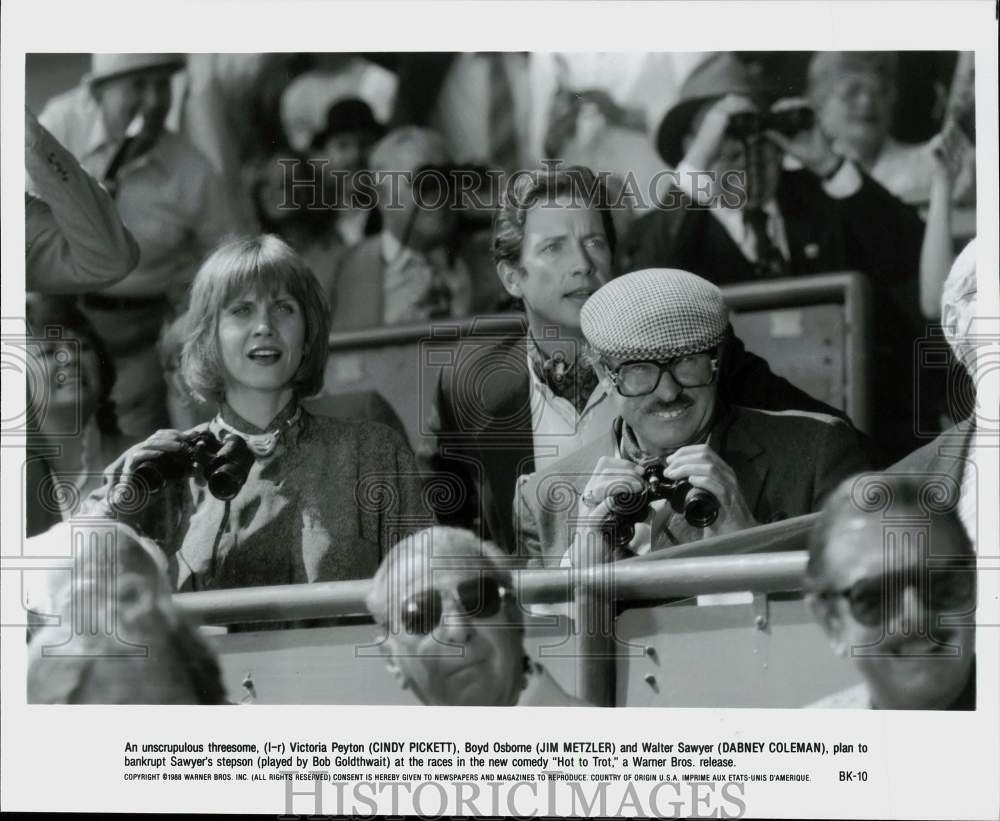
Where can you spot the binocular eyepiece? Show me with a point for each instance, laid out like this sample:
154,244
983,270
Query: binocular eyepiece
224,465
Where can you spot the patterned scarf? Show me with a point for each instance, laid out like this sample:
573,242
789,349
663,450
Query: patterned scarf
573,381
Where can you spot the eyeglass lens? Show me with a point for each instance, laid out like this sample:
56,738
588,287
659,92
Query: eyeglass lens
639,378
941,591
479,598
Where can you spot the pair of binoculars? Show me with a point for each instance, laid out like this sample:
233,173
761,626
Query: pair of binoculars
224,465
700,508
789,121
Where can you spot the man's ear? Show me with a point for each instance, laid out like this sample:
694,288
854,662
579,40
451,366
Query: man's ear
511,276
830,620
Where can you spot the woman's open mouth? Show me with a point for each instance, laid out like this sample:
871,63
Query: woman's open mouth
264,355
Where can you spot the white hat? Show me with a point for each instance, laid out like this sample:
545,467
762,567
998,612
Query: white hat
111,66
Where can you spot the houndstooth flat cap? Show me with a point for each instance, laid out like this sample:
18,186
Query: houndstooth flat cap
659,314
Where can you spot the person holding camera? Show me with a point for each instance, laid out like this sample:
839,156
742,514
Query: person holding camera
761,193
742,213
265,493
681,463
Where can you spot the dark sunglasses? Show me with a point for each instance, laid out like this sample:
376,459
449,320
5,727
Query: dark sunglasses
479,598
941,591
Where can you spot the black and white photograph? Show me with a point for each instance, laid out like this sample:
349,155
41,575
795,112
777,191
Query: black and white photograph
644,380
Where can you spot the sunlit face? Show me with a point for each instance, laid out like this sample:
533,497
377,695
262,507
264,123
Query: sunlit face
857,109
910,660
471,657
565,257
262,341
71,376
668,418
123,98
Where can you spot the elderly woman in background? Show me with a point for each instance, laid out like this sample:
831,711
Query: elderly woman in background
854,95
322,499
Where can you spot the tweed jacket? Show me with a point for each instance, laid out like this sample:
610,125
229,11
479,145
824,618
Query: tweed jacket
482,425
785,463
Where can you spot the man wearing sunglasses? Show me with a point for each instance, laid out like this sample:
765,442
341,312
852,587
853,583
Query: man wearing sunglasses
454,631
659,337
891,579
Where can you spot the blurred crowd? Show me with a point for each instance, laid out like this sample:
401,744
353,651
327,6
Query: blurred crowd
198,225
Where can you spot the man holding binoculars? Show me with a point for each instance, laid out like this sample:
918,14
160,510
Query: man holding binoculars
659,336
804,209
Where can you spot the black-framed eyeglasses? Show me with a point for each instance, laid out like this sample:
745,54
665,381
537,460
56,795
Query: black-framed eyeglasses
643,377
940,591
479,598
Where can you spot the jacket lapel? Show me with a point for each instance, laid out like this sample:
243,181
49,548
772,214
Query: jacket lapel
740,451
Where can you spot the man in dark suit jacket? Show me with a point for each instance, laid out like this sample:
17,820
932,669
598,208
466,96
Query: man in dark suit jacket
657,334
502,387
729,225
493,399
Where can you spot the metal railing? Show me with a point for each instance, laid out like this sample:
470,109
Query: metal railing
597,593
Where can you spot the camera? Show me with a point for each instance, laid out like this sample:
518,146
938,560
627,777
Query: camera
224,465
790,121
700,508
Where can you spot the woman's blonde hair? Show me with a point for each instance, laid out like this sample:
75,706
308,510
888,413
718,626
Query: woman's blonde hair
263,264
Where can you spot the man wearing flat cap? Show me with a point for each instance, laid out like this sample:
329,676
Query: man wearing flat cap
167,194
514,403
739,212
658,337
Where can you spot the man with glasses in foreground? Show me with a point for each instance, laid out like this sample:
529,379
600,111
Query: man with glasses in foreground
454,631
892,581
679,463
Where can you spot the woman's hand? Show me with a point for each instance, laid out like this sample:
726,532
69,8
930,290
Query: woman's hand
121,472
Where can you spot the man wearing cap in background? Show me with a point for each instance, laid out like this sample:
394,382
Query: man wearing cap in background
515,403
169,198
827,216
658,336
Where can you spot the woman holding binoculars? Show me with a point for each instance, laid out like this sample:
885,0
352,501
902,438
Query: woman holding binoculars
265,493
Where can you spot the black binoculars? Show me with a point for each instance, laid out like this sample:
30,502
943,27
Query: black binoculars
789,121
700,508
224,465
